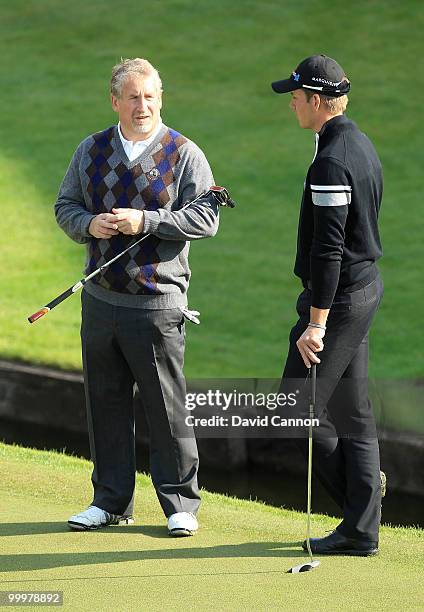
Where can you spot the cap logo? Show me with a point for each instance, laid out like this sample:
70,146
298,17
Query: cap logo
331,83
295,75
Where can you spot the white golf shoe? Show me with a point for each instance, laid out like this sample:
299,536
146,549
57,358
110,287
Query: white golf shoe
182,524
94,518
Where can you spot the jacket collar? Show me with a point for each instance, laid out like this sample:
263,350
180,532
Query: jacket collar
333,124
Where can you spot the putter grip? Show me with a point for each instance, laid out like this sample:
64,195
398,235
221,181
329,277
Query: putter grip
40,313
37,315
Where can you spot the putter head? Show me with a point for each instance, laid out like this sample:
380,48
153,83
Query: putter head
305,567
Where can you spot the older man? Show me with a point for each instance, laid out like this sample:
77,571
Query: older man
128,179
338,245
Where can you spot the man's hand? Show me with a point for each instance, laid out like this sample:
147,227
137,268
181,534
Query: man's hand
103,226
129,221
310,343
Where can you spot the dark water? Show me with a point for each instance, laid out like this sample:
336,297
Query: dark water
278,489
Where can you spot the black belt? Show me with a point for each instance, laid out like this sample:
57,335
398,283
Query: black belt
364,294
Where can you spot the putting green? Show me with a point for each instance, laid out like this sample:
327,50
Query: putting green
237,561
217,60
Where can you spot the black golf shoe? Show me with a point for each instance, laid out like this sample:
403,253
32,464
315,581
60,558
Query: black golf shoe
338,544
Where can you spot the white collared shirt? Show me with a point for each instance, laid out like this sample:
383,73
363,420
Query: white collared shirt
316,147
135,148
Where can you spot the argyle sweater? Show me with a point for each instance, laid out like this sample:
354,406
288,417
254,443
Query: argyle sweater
170,172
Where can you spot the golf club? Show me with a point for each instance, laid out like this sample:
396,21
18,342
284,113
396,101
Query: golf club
307,567
221,196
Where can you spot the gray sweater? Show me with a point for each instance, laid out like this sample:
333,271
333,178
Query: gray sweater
170,172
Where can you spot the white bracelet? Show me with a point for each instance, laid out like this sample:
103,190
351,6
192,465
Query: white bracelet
317,325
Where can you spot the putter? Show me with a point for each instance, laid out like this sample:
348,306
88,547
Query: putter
222,198
307,567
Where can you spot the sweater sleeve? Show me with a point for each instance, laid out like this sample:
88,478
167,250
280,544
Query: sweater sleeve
331,195
194,222
70,210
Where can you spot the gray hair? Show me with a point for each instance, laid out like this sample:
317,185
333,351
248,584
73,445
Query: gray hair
127,67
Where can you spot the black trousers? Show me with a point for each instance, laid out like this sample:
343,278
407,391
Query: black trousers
122,346
345,449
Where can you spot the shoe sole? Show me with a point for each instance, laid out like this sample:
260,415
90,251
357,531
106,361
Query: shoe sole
350,553
81,527
180,533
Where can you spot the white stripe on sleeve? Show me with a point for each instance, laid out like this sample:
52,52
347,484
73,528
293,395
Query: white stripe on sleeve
340,198
331,188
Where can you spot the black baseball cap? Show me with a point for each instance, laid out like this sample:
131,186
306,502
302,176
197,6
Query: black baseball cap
317,73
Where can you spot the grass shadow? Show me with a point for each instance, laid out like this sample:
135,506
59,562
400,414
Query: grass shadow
44,527
19,529
31,562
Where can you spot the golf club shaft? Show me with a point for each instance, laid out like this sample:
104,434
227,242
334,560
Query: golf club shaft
313,375
60,298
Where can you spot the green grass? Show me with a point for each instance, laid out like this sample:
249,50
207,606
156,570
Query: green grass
217,60
237,561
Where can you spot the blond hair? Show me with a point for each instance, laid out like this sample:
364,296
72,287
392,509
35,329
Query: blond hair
332,105
127,67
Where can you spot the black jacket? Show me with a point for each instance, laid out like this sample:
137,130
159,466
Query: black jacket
338,239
